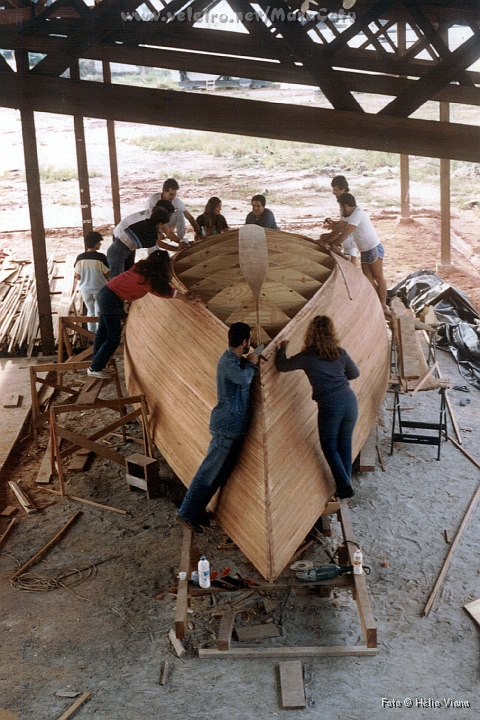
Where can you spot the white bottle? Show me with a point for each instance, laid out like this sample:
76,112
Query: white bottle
204,572
357,562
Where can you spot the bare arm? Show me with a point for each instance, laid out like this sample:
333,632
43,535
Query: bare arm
192,222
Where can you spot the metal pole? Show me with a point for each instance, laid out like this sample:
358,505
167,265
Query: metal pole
83,181
112,150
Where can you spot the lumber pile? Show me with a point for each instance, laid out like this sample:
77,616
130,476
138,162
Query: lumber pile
19,321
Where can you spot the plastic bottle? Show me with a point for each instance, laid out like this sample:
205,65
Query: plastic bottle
195,577
204,572
357,562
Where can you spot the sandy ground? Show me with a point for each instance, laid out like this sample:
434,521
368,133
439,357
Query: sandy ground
113,640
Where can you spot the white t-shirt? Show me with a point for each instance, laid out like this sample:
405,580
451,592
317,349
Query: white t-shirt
153,200
350,246
119,231
364,234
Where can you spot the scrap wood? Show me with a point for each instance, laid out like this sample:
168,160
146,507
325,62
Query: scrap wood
450,411
226,628
425,378
291,684
83,500
473,610
46,547
23,498
9,510
68,713
67,693
471,508
9,527
177,644
380,457
448,537
11,401
257,632
164,673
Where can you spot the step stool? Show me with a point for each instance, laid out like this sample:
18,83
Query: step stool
143,473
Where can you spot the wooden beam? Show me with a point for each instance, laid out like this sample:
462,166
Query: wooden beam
437,78
291,684
182,594
82,164
288,652
35,209
445,222
245,117
112,153
314,58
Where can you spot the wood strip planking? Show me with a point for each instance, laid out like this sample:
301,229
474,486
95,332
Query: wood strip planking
291,684
281,463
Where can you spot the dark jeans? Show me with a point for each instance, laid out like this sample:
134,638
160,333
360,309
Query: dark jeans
212,474
120,258
109,333
336,420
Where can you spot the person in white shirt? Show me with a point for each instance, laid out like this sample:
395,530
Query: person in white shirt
357,224
177,220
92,273
339,186
136,231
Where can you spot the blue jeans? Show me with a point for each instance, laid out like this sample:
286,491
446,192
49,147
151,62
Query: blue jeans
120,258
109,333
212,474
336,420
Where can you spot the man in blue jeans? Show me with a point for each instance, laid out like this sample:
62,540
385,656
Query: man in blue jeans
228,426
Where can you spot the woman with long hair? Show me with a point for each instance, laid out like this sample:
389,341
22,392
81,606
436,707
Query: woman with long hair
329,368
211,222
146,276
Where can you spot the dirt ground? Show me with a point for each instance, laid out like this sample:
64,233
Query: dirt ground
108,634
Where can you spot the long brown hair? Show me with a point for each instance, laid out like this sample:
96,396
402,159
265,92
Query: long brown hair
321,337
211,219
156,271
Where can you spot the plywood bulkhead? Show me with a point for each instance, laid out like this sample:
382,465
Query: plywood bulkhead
281,482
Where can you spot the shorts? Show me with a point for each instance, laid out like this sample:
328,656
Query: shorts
350,247
370,256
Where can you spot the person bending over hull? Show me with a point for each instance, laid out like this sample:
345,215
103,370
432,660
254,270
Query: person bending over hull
328,368
228,426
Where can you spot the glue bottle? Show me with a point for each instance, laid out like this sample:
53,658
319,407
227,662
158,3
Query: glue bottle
357,562
204,572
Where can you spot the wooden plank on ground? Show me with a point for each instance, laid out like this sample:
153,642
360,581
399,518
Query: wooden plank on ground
9,510
291,684
11,401
177,644
23,498
8,715
78,460
473,609
257,632
290,652
45,473
182,593
368,453
74,707
225,632
363,601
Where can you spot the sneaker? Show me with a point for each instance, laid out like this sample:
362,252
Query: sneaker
203,519
98,374
189,525
347,492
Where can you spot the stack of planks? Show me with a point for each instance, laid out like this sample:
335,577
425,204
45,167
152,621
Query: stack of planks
19,321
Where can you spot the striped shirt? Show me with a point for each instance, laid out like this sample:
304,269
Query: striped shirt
92,267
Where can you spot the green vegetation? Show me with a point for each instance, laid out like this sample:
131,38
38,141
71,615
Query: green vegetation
51,174
268,154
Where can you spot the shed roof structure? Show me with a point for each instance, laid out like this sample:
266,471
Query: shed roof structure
398,50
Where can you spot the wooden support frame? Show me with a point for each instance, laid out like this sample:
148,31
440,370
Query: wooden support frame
358,585
77,440
76,324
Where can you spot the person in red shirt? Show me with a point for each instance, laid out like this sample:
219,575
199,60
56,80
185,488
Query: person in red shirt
146,276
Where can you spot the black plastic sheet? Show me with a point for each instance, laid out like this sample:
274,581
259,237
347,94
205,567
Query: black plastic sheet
459,329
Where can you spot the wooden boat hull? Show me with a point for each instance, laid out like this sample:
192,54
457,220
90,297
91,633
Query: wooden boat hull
281,483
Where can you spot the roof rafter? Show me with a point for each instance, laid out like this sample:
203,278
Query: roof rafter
435,79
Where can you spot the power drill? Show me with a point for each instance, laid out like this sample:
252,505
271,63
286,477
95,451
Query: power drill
306,570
